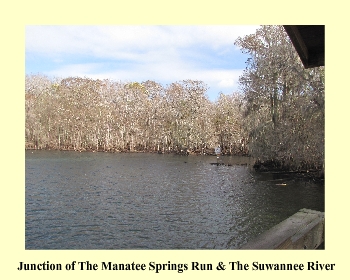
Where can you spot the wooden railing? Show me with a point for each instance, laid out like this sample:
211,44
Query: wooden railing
304,230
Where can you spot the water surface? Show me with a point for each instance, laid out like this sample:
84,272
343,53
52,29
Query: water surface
149,201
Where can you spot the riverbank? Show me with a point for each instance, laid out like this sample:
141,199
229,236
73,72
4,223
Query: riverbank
304,171
177,151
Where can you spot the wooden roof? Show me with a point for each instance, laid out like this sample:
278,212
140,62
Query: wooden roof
309,42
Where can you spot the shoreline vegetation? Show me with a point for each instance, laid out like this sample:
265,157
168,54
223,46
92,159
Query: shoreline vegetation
277,117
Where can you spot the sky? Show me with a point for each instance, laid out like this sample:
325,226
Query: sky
164,54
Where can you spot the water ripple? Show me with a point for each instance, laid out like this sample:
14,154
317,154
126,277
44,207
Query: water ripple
148,201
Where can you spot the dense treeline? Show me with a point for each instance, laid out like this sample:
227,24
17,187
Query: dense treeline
102,115
278,117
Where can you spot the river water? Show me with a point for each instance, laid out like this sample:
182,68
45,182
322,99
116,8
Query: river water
150,201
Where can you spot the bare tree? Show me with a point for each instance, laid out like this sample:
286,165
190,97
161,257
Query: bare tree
284,103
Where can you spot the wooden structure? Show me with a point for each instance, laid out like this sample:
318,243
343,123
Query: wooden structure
303,230
309,42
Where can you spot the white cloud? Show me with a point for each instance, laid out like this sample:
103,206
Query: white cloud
226,83
108,41
85,69
137,53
